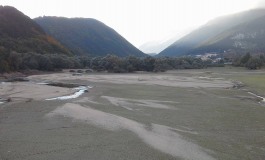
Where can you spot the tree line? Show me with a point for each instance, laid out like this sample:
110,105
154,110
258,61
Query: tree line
51,62
14,61
250,61
112,63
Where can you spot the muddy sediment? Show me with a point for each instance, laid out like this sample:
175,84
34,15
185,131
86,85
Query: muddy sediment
145,79
130,104
187,115
159,137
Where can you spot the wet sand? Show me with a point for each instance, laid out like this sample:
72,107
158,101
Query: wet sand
131,116
25,91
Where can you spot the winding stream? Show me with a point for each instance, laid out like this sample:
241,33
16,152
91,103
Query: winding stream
81,90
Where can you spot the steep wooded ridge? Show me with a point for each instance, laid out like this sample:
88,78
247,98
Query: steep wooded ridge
222,34
85,36
21,34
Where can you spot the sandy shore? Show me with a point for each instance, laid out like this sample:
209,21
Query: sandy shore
25,91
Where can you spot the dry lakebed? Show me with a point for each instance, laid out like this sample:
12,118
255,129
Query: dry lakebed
207,114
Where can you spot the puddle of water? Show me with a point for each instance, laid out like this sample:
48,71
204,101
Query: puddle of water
129,104
81,90
159,137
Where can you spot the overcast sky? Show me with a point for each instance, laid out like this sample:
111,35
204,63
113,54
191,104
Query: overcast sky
139,21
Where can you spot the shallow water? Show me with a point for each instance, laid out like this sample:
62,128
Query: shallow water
82,90
75,95
159,137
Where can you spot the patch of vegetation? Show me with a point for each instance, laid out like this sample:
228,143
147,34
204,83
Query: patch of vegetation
14,61
114,64
250,61
49,62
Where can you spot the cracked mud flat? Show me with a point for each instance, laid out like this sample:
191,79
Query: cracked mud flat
173,116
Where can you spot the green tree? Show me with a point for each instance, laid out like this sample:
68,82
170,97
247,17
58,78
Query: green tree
245,59
15,61
4,67
254,63
149,64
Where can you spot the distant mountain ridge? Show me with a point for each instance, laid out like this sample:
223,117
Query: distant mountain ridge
246,37
21,34
197,41
85,36
155,47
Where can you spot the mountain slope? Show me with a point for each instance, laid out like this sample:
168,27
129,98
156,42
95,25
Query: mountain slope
213,28
21,34
87,36
246,37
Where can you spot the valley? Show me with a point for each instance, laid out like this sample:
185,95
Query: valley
74,88
181,114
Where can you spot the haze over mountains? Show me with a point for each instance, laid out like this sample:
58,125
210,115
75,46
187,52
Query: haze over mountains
155,47
241,32
246,37
85,36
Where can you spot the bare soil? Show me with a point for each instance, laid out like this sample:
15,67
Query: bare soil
177,115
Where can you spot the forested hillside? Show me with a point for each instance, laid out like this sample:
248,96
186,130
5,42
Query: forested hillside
21,34
20,37
86,36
